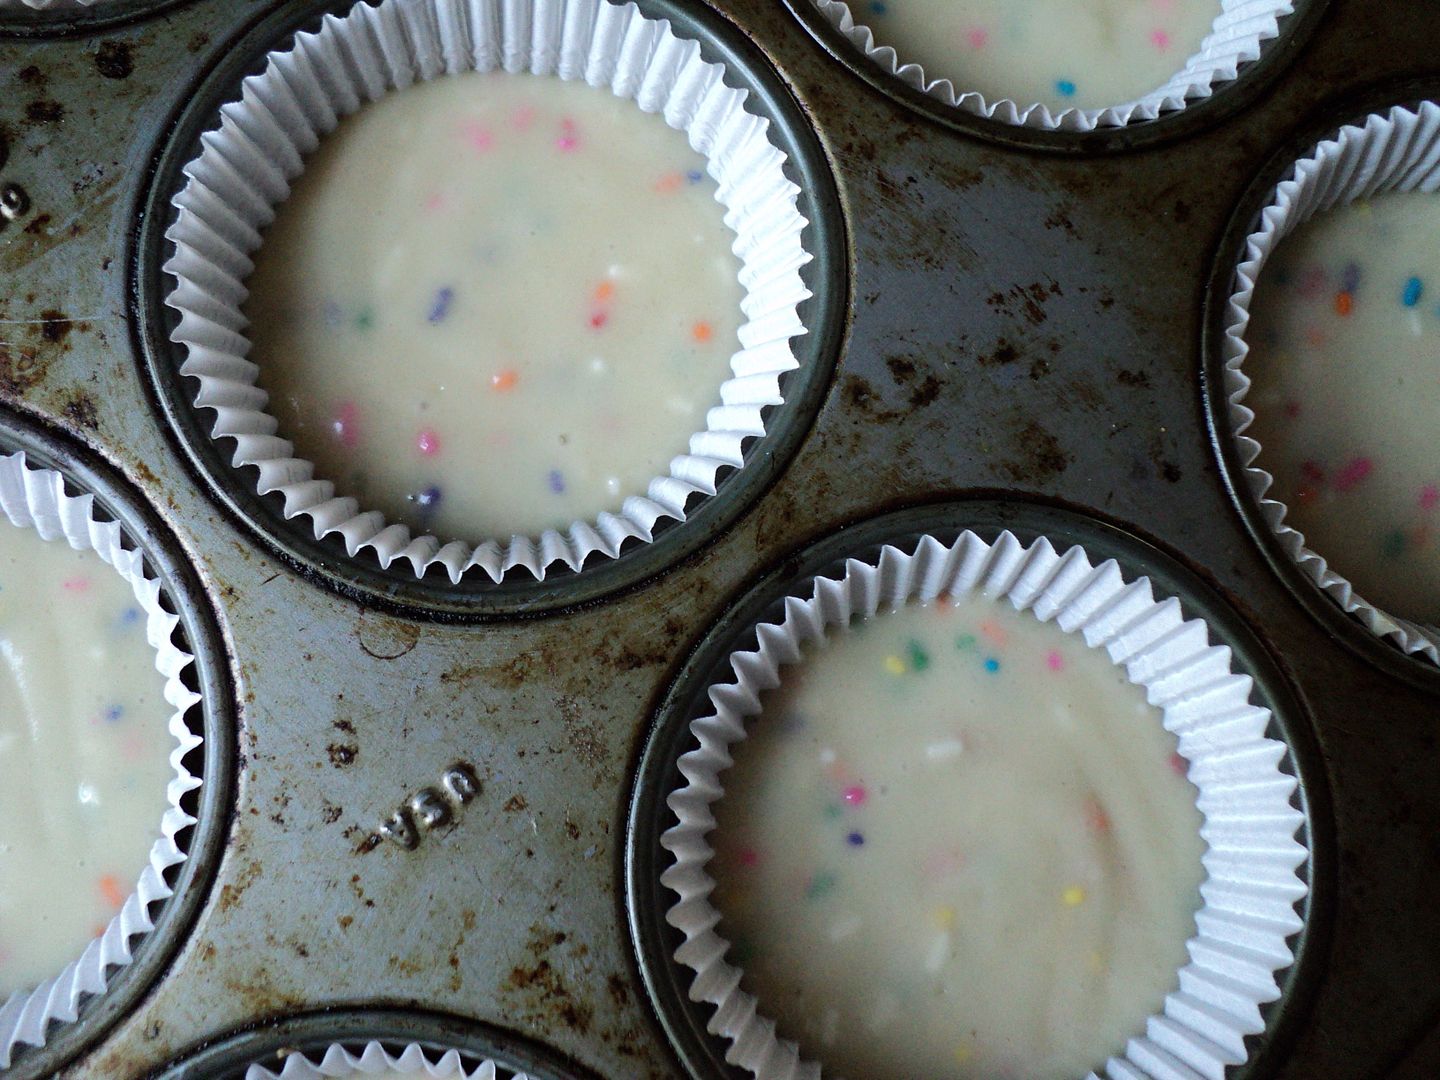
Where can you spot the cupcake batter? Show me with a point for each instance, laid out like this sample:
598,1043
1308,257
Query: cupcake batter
1062,53
957,843
84,752
1345,357
495,304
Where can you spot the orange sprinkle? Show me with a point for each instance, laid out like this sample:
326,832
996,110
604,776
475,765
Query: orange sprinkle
702,331
110,891
504,381
1343,303
604,291
669,183
994,632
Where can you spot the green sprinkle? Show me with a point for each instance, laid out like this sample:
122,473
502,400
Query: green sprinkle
1394,544
834,810
965,642
820,885
365,320
919,658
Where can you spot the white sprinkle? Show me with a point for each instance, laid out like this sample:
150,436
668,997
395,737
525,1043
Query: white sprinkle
598,365
944,750
827,756
939,952
846,926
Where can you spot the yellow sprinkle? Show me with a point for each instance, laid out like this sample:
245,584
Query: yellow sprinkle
1073,896
894,665
963,1053
1097,963
943,917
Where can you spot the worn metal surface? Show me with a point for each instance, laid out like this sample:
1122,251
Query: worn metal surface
1022,323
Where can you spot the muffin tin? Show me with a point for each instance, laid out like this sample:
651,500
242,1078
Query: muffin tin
1020,329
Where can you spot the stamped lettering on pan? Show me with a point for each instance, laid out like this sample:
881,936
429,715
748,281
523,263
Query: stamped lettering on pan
431,807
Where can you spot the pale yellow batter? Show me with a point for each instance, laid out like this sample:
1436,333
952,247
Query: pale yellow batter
1061,53
957,843
84,752
496,304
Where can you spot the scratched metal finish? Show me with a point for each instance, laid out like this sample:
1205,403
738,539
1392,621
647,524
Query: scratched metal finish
1023,323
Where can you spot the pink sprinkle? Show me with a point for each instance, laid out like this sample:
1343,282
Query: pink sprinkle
599,319
855,796
1054,661
428,443
76,584
1179,766
1160,39
1429,497
569,136
749,857
1353,472
480,137
523,118
346,424
435,201
978,37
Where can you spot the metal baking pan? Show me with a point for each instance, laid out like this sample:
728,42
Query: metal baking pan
1016,329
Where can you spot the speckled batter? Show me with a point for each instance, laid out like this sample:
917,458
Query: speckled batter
958,843
496,304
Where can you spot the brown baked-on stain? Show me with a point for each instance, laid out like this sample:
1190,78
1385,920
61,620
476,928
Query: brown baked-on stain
37,225
549,999
198,41
1044,458
44,111
904,371
514,804
619,992
231,892
1005,353
114,60
32,76
80,410
55,326
342,755
20,369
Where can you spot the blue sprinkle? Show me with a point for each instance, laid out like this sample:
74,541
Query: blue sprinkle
1413,288
441,307
429,498
1350,278
130,616
556,481
878,8
114,713
1065,87
694,176
855,839
992,665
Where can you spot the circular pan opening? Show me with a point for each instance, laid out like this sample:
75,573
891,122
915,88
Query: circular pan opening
1414,669
657,773
213,718
475,596
230,1057
1252,83
68,18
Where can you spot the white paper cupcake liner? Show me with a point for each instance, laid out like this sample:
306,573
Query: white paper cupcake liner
246,166
36,498
48,5
375,1061
1251,889
1236,37
1396,151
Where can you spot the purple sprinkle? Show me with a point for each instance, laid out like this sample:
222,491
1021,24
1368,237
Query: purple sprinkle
441,307
855,839
1350,278
556,481
694,176
113,713
429,498
331,314
130,615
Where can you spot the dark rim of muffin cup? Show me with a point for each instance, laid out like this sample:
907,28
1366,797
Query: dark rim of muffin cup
212,718
655,940
475,596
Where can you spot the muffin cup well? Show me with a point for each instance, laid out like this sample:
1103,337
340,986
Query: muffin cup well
375,1061
1252,887
1237,36
1395,151
36,498
246,165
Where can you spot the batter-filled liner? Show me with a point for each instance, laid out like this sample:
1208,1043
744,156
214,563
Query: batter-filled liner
1252,855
